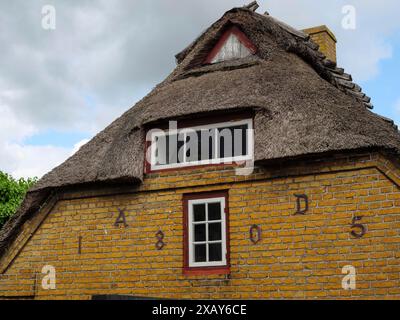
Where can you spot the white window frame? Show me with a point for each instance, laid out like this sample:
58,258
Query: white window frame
247,157
191,242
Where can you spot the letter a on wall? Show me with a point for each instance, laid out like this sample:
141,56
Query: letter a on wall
49,280
121,220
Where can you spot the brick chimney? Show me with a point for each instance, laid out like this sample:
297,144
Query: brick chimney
325,39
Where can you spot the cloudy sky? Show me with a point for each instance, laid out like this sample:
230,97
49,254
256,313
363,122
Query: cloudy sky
59,87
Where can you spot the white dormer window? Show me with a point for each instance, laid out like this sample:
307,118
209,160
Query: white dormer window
234,44
218,143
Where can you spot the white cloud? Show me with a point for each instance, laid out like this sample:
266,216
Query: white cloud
360,51
365,57
23,160
12,128
31,161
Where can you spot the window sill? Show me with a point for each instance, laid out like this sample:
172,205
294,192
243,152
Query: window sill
195,271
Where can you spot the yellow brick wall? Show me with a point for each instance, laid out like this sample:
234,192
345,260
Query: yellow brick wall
298,256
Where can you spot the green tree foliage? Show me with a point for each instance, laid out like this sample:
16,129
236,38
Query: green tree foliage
12,193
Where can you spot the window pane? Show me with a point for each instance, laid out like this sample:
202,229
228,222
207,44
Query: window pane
232,141
161,150
211,147
207,144
214,211
199,232
192,147
180,152
199,212
244,140
215,251
225,140
199,150
172,148
200,253
214,231
240,140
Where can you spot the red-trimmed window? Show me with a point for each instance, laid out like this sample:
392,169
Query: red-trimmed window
206,247
233,44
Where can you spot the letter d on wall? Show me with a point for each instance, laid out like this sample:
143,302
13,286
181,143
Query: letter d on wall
49,280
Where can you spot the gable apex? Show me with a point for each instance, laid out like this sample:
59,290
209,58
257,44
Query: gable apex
233,44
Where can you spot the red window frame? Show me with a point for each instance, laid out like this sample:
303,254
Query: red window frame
188,270
238,33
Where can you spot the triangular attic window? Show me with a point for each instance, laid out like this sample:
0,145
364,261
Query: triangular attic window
234,44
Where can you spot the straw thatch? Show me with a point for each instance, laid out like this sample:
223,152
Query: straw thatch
303,105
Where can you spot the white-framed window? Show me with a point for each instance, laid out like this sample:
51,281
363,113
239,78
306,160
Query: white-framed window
207,232
226,142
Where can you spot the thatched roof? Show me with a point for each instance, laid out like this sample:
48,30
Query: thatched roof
303,105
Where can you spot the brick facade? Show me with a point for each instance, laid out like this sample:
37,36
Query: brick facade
299,256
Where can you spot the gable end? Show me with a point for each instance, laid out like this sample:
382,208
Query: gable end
233,44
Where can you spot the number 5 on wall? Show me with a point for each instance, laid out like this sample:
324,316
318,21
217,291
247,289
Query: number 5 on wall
362,229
